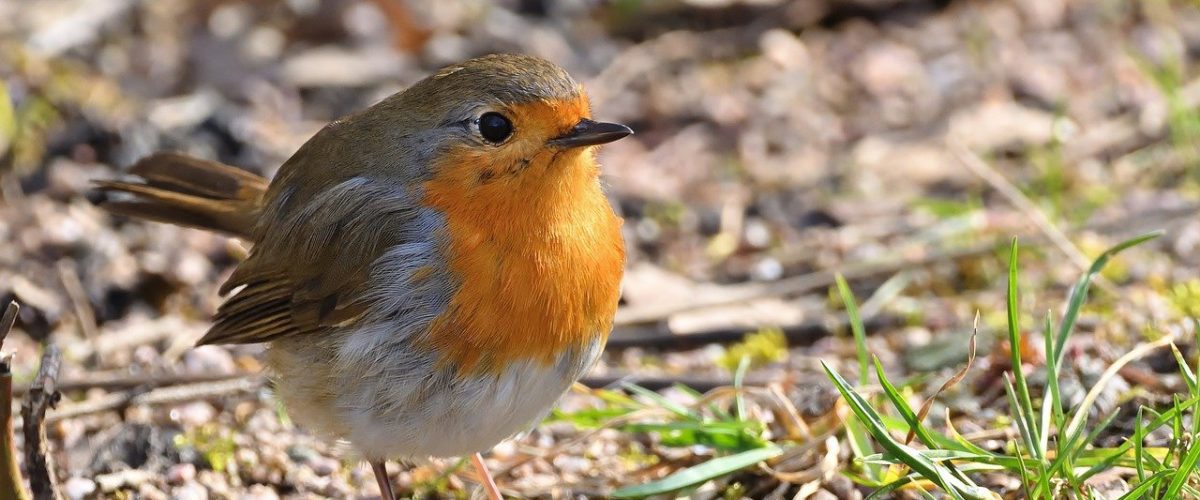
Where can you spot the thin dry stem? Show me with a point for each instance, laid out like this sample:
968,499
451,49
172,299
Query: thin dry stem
11,484
42,396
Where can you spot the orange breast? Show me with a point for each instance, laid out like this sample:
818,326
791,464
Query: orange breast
538,257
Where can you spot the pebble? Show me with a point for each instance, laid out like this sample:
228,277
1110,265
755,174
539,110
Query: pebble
79,487
246,457
841,487
190,491
181,473
888,68
323,466
123,479
146,355
568,464
194,414
757,234
209,359
823,495
301,453
648,230
216,482
148,491
259,492
767,269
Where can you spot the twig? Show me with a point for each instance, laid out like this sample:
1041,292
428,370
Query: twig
10,473
119,380
798,284
657,383
178,388
79,300
1014,195
803,333
6,323
42,395
160,396
136,334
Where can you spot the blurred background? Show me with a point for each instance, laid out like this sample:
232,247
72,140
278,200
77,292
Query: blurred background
899,142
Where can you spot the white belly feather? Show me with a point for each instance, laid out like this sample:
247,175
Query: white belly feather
399,406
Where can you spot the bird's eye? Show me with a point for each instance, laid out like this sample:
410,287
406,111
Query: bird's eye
494,127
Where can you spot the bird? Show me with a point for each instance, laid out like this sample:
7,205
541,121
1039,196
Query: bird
429,274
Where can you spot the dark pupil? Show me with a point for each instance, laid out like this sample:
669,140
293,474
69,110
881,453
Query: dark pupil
494,127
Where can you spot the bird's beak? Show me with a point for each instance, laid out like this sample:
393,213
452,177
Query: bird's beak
590,133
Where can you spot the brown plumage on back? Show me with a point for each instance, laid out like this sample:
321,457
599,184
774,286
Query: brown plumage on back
276,299
180,189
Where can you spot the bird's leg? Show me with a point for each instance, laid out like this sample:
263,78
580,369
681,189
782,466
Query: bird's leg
485,478
379,467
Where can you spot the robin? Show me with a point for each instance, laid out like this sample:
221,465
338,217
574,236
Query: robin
430,274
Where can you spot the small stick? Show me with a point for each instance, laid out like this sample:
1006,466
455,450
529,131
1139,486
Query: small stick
802,333
634,315
120,380
485,478
1014,195
179,388
79,300
7,321
160,396
658,383
10,473
42,395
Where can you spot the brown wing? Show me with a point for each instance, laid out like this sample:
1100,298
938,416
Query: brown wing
179,189
312,261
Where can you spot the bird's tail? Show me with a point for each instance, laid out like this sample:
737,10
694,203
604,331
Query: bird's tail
179,189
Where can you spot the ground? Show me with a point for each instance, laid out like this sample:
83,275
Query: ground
901,143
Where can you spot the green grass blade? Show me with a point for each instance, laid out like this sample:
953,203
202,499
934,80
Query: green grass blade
698,474
8,121
1077,450
717,412
856,434
1187,467
978,461
860,447
1176,430
1139,438
1018,417
728,436
1052,412
963,442
940,441
1080,290
1075,427
738,376
1024,471
1188,450
891,487
1159,421
856,326
938,474
902,406
1022,420
1189,377
661,401
1014,339
1143,487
